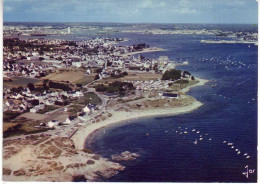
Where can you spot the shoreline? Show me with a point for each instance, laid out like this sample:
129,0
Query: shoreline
82,135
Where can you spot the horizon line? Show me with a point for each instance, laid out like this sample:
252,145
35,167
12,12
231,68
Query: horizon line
122,22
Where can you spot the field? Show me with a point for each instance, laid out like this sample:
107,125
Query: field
133,76
20,81
70,76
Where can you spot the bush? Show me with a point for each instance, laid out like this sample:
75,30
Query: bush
79,178
172,74
101,88
31,86
87,151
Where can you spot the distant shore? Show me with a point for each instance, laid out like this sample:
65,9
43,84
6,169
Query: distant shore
82,135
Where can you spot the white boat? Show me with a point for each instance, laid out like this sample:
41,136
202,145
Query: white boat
238,152
193,130
201,139
181,133
248,157
224,142
230,144
232,147
176,131
196,141
210,139
198,132
245,154
185,132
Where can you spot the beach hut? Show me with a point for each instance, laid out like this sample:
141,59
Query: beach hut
86,109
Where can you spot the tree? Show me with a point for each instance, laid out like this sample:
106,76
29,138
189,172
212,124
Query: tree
96,77
35,102
31,86
172,74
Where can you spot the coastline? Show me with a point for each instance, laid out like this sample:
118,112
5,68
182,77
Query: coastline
81,136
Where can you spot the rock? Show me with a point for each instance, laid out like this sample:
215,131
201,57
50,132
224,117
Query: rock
20,172
96,157
79,178
125,156
90,162
7,171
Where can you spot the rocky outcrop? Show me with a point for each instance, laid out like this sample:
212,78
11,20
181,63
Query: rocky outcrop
52,159
125,156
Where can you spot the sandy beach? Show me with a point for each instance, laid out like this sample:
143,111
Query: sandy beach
81,136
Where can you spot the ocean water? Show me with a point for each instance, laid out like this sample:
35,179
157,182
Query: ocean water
229,114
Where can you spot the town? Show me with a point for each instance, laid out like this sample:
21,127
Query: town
50,83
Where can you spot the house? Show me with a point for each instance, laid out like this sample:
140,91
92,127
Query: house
68,120
52,123
86,109
37,108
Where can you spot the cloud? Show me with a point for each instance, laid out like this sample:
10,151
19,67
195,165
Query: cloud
185,3
184,10
151,4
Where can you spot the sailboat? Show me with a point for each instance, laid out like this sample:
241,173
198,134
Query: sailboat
196,141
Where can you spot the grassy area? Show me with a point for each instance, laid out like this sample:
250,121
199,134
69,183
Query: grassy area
129,100
71,76
73,109
20,81
89,98
132,76
86,79
48,108
21,127
9,115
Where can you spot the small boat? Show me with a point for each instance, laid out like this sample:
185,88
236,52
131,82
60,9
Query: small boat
198,132
245,154
185,132
232,147
200,135
193,130
210,139
224,142
206,134
248,157
230,144
201,139
176,131
186,128
147,134
166,131
180,132
238,152
196,141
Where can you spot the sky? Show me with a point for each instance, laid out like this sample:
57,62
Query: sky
132,11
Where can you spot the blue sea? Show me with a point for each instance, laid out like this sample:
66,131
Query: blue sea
229,114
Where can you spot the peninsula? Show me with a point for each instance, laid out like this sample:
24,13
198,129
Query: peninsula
58,92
